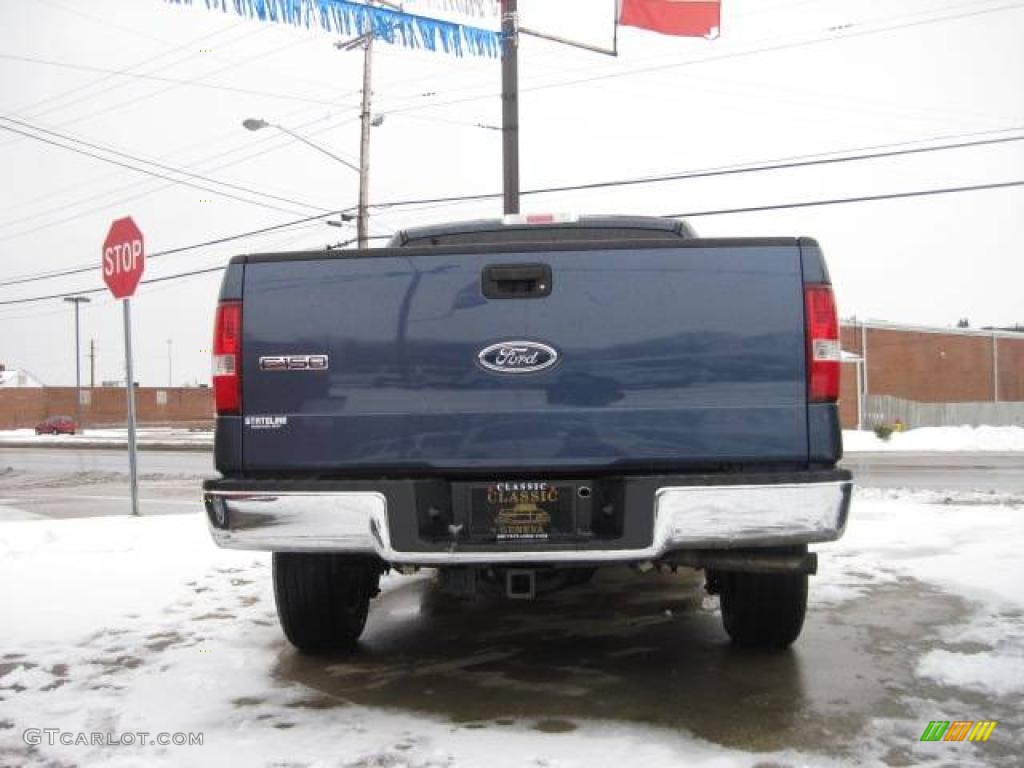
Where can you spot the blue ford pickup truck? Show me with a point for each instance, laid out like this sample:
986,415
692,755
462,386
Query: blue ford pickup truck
519,402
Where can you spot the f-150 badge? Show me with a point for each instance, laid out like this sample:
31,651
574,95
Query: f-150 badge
517,357
293,363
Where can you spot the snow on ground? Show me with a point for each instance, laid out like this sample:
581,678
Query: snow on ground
966,543
82,597
959,439
150,436
123,625
955,541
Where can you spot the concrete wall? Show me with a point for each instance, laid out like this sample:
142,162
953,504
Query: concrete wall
106,406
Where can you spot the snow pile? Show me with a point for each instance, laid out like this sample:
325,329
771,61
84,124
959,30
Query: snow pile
988,656
151,436
958,439
985,672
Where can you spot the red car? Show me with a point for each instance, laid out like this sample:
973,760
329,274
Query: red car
57,425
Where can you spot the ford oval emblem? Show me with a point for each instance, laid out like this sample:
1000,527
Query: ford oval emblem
517,357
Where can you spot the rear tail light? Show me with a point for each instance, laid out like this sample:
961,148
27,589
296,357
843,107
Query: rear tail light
822,344
227,358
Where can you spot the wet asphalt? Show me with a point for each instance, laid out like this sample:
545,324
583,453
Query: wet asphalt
650,650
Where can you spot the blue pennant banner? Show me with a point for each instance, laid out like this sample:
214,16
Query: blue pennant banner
348,18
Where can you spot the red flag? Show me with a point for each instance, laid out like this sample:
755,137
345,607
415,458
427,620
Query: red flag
689,18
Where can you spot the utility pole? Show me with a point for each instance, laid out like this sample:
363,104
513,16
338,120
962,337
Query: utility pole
92,363
169,344
77,300
363,217
510,104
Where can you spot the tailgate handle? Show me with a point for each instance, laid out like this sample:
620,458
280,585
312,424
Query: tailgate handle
517,281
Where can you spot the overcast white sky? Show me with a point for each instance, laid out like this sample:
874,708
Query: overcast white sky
874,72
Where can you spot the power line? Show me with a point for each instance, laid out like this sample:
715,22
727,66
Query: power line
783,163
106,301
717,57
70,217
139,170
797,161
65,216
779,47
417,107
136,158
78,91
171,80
149,281
690,214
181,249
845,200
87,291
107,24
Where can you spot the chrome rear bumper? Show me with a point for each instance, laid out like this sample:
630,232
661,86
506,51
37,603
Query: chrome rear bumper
686,517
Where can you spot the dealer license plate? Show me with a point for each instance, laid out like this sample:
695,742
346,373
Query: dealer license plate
527,510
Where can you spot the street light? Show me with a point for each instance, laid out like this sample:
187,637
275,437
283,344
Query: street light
366,120
257,124
78,300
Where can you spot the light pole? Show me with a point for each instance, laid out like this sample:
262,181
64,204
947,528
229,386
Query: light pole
366,121
77,300
362,219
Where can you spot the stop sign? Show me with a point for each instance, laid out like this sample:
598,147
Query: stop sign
124,258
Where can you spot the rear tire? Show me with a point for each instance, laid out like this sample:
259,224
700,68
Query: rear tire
763,610
323,599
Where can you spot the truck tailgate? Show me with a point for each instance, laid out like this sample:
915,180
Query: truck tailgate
668,354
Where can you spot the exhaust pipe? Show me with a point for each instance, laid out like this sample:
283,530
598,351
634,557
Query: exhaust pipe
520,584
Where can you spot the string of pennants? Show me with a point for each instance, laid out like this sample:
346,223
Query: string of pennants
345,17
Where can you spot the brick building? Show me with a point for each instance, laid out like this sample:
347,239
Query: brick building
22,407
930,365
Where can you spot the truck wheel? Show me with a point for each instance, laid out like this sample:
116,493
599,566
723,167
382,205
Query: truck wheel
322,598
763,610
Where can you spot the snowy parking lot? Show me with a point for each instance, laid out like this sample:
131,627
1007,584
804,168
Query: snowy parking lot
119,626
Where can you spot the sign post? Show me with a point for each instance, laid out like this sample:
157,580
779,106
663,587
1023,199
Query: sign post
124,259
